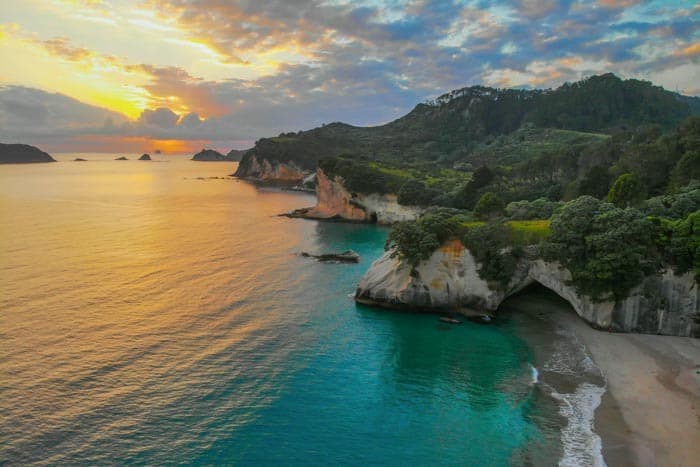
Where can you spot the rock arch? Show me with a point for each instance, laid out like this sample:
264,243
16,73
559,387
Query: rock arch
663,304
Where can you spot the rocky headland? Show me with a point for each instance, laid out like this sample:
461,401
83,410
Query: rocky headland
22,154
270,171
336,202
663,303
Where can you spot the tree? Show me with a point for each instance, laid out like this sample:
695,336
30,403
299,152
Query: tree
415,193
608,250
687,169
489,206
596,182
628,190
490,245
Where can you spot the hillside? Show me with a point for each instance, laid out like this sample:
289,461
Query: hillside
455,128
22,154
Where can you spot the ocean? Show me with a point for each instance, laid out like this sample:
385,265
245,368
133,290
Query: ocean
161,313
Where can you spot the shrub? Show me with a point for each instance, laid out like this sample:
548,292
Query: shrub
628,190
540,208
490,205
491,246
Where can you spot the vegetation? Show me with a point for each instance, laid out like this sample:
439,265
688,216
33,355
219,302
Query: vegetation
628,190
607,249
601,174
489,206
492,247
525,131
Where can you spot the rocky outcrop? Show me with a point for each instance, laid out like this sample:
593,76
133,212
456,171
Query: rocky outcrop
22,154
347,256
145,157
449,279
334,201
209,155
122,158
263,170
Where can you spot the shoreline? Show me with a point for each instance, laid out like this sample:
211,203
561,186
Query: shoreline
653,382
649,414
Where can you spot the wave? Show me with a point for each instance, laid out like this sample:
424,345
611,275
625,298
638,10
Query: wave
535,375
582,445
570,360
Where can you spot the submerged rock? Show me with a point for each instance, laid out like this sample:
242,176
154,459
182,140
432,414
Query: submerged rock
22,154
348,256
79,159
145,157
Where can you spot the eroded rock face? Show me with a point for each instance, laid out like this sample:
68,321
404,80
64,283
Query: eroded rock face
251,167
662,304
335,201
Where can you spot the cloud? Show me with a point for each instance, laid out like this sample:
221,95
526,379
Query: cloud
160,117
693,50
288,65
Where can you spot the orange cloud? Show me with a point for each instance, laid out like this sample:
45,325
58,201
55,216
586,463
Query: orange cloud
617,4
125,144
690,51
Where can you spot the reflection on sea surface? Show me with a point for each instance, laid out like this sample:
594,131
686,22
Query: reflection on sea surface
153,317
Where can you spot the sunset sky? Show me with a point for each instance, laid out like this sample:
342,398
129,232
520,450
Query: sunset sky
135,75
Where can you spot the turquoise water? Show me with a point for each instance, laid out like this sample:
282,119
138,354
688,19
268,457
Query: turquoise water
154,315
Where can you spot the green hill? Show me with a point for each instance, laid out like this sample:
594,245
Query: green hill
462,126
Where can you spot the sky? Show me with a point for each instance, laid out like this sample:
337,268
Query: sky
180,75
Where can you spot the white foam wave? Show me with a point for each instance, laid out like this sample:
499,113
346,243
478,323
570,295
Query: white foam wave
582,445
535,374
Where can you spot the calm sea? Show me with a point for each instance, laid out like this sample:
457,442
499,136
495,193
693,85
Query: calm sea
153,313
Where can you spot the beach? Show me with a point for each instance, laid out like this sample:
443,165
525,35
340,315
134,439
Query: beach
650,412
654,381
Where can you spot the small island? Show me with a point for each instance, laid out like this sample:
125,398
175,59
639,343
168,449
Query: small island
123,158
145,157
210,155
22,154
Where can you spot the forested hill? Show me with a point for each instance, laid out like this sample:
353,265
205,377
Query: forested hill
457,125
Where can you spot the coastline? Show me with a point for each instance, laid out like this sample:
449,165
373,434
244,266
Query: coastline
649,414
653,382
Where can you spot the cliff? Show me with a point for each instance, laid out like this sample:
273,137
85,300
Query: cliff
269,171
449,279
334,201
235,155
22,154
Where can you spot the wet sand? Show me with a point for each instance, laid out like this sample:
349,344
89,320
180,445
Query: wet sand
655,383
650,413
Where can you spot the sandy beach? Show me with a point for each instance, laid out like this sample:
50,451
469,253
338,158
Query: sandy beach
654,383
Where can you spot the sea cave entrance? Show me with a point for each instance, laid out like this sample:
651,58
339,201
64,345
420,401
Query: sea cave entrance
536,299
